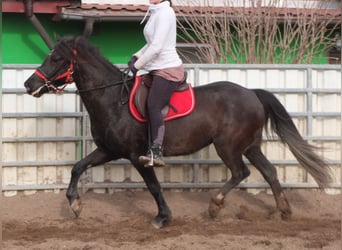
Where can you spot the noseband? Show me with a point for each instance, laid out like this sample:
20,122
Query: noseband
67,75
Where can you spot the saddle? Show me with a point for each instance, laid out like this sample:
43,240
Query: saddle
182,101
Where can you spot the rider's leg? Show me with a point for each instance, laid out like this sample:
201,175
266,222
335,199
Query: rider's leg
159,96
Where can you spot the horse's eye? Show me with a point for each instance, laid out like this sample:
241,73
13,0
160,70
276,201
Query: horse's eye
55,57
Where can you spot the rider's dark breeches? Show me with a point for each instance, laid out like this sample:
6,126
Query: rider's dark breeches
159,96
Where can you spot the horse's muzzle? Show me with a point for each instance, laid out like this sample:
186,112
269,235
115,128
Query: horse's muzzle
36,92
28,88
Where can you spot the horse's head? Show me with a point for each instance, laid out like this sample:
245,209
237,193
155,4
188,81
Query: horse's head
55,72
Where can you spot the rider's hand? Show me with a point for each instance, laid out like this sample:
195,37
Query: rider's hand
131,65
133,60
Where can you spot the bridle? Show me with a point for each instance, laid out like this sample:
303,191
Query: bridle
67,75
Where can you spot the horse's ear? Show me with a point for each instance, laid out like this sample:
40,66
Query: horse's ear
57,37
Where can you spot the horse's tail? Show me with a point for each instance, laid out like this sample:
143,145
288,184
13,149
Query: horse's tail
282,124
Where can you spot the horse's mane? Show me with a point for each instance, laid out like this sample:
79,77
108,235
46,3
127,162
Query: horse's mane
85,50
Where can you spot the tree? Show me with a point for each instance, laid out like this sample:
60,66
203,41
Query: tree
259,31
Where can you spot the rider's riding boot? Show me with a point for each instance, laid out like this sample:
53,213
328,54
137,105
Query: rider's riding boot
154,156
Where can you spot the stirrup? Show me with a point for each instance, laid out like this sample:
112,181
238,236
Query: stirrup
153,157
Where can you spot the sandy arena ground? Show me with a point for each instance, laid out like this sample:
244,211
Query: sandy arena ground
122,221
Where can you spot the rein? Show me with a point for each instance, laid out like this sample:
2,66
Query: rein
125,77
123,82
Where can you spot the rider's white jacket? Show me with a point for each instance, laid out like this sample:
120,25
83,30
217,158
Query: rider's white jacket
160,33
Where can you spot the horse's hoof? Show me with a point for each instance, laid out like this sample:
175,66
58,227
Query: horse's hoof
284,207
160,222
286,215
76,207
215,206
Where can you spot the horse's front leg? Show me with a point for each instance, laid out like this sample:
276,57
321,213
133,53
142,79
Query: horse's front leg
95,158
164,216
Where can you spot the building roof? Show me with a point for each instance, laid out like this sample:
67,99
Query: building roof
103,12
48,7
132,12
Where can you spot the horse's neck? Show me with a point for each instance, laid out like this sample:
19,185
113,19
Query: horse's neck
98,101
92,76
88,76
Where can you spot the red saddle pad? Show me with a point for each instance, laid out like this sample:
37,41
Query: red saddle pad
182,103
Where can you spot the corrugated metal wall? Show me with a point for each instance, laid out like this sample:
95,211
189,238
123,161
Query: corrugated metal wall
43,138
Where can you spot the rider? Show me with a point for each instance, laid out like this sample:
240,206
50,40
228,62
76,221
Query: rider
159,57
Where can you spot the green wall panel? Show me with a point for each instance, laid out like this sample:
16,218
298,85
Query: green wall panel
117,41
21,43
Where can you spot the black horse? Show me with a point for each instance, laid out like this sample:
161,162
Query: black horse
226,114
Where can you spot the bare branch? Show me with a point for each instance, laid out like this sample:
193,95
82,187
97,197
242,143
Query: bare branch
258,31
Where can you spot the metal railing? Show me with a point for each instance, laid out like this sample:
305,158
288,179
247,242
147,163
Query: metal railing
84,140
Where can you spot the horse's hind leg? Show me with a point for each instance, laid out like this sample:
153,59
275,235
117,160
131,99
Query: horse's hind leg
97,157
269,172
164,216
239,172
